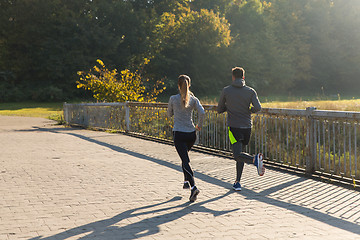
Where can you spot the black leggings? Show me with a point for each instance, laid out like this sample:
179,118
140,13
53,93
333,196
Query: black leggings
183,143
242,136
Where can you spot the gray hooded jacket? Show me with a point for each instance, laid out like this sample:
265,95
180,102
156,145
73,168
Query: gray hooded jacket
236,100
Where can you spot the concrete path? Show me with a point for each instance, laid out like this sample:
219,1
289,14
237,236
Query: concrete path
66,183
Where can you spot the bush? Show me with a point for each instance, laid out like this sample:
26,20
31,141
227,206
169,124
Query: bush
111,86
10,93
47,94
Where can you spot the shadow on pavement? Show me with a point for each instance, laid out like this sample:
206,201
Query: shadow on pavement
105,229
136,230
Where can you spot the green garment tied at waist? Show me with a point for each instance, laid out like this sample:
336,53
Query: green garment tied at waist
231,137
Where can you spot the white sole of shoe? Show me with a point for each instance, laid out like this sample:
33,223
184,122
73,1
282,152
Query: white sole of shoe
260,164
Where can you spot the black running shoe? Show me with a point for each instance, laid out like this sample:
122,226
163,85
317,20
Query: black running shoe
194,193
186,185
237,186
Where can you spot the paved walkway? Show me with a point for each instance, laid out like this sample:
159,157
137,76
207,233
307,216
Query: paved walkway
66,183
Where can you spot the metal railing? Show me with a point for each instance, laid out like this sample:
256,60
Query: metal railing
313,141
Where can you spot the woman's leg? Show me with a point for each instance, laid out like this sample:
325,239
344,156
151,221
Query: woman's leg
191,141
182,141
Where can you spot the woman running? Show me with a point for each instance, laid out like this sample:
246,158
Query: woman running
182,106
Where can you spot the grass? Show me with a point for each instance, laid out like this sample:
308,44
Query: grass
337,105
52,111
323,103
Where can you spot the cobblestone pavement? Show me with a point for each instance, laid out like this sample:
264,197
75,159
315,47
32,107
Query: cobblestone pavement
68,183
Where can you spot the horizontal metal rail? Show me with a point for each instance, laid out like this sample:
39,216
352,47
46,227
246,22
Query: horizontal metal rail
313,141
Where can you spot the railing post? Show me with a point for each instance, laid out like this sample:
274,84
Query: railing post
127,116
310,141
66,113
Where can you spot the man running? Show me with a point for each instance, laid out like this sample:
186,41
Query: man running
239,101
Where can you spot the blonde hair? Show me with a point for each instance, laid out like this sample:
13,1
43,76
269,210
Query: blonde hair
184,83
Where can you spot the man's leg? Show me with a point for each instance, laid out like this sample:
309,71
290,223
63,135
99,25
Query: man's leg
239,138
237,149
241,157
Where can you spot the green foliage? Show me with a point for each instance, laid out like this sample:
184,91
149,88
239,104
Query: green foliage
47,42
305,46
335,44
59,118
273,50
111,86
191,42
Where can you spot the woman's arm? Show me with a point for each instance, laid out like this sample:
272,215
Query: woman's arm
170,110
201,113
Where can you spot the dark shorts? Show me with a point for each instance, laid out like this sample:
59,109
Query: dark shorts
241,134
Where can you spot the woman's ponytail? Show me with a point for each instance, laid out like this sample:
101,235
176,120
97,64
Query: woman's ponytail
184,83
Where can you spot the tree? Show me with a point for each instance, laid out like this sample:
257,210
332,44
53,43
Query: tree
191,43
346,22
218,6
111,86
292,33
270,41
284,45
64,36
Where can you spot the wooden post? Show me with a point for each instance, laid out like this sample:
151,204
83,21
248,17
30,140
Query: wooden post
66,113
310,141
127,116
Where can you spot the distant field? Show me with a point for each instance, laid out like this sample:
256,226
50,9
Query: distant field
32,109
338,105
55,110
